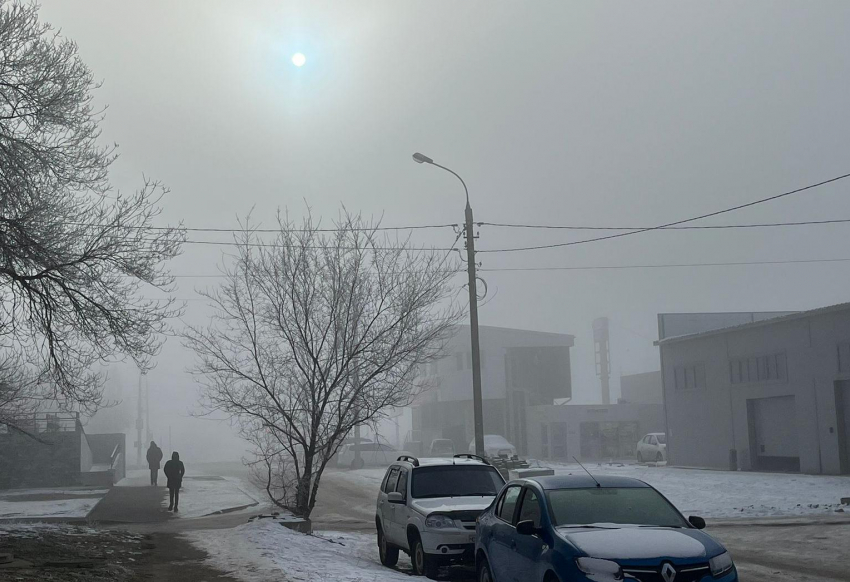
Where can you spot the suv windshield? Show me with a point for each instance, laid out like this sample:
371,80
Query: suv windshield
626,505
455,481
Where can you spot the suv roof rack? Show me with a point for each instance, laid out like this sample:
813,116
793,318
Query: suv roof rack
471,456
410,459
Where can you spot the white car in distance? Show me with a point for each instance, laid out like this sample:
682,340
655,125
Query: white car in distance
495,446
652,447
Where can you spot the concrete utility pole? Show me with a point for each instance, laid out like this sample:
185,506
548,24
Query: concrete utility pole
477,405
139,425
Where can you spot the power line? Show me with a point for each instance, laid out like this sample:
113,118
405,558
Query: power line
669,224
692,227
670,265
613,267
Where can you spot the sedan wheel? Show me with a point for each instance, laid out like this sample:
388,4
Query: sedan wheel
640,458
659,457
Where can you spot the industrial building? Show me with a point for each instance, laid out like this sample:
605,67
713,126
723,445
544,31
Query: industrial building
519,369
758,391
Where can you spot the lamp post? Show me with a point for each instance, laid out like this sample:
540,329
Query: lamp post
473,309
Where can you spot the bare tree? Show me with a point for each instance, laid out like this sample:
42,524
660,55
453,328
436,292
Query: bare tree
315,333
73,254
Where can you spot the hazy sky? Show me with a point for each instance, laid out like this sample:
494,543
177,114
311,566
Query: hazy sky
592,113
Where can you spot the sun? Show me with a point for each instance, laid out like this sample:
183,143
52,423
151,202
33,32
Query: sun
298,59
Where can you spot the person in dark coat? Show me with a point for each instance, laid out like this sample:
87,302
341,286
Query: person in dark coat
154,457
174,470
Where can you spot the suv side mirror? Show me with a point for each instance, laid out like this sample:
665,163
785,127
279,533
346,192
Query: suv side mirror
697,522
395,497
527,528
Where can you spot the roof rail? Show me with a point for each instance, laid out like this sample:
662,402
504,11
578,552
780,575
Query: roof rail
471,456
410,459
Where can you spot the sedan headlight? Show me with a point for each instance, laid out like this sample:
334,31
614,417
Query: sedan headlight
600,570
438,521
721,564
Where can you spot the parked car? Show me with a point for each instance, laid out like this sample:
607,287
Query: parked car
652,447
371,455
495,446
427,508
441,448
576,528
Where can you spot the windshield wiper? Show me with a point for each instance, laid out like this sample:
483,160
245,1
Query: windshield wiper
665,526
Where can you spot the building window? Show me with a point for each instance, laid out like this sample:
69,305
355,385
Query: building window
844,358
690,377
771,368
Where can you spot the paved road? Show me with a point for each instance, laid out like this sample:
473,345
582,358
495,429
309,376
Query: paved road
765,550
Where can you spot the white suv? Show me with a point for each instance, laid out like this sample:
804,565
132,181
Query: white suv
427,508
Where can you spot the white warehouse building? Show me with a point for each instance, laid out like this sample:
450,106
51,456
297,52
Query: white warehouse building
763,391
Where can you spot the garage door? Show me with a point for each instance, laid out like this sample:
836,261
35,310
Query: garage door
773,433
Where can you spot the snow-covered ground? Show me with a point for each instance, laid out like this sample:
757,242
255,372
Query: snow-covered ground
49,503
263,550
726,494
204,495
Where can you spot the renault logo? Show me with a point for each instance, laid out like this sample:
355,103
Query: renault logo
668,572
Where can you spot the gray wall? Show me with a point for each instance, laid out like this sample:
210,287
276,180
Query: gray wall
650,418
706,422
25,462
642,388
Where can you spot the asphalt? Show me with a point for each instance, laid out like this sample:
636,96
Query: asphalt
127,505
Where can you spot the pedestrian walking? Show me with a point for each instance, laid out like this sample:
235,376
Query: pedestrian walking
174,471
154,457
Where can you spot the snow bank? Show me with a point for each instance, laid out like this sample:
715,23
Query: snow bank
49,503
263,551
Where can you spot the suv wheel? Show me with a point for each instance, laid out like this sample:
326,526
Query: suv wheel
387,551
358,463
423,564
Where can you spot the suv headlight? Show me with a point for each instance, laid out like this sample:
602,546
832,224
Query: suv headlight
721,564
438,521
600,570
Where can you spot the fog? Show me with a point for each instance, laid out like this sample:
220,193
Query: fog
585,114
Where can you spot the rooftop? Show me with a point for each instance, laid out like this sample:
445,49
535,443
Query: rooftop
756,324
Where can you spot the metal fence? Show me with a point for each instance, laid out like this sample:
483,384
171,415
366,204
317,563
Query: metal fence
45,422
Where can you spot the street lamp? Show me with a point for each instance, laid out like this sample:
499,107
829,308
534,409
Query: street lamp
473,309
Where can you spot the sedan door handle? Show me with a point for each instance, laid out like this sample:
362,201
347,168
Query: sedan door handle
513,545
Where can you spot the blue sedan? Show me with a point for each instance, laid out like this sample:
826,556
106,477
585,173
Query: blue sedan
577,528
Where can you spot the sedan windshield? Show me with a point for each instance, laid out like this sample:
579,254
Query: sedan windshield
662,438
455,481
615,505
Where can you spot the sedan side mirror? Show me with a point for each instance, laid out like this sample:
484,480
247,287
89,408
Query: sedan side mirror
395,497
697,522
527,528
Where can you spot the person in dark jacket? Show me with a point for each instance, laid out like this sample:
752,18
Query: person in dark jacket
174,471
154,457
